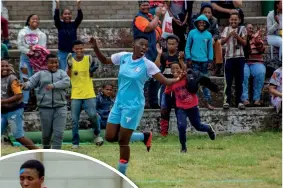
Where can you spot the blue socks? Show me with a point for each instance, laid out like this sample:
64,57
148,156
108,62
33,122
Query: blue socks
137,137
122,166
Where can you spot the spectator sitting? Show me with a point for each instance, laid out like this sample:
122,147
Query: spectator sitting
274,27
104,104
207,10
223,9
275,89
254,65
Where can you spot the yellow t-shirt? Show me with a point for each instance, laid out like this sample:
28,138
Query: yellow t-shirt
82,85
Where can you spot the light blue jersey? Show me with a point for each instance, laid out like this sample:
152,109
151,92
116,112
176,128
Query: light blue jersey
131,79
129,104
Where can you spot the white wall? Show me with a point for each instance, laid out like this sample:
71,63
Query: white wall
62,171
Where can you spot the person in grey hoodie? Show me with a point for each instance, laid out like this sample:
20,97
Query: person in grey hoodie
29,36
51,100
274,27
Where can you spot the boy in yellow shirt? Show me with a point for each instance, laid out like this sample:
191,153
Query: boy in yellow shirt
82,94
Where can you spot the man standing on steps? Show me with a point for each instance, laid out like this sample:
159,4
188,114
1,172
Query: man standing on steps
146,25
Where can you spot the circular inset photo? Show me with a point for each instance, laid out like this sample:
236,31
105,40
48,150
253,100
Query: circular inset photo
58,169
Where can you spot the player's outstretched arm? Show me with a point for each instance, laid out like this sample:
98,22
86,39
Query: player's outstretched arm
99,54
167,81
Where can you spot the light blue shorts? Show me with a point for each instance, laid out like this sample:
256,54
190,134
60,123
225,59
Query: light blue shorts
128,118
15,120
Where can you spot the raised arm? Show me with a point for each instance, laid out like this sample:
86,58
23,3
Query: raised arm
158,58
80,16
99,54
57,20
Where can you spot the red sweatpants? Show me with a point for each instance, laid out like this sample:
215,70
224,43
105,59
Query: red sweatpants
4,27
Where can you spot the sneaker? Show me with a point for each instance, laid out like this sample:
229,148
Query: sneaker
75,147
147,140
211,133
226,106
241,106
98,140
183,150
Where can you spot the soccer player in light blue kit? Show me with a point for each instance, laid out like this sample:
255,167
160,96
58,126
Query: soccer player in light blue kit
125,116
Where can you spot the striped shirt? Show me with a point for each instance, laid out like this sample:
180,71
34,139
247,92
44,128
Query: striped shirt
231,46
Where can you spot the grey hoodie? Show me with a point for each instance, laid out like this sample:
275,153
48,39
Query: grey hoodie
28,37
53,98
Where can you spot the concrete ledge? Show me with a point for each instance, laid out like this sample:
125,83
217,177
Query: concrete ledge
118,23
223,121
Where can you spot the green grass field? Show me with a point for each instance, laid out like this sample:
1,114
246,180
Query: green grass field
242,160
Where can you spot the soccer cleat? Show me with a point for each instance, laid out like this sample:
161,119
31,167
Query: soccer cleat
98,140
147,140
183,150
75,147
211,133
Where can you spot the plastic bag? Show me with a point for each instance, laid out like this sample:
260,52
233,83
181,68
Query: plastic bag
167,28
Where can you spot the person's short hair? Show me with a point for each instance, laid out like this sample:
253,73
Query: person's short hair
104,85
175,63
235,13
173,37
50,56
77,42
34,164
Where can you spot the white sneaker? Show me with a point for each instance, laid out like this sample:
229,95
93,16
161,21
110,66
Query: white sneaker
241,106
98,140
75,147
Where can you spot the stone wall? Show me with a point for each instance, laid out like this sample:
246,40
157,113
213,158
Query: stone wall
19,10
230,121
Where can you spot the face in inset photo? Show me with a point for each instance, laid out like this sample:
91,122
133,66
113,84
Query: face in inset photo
58,169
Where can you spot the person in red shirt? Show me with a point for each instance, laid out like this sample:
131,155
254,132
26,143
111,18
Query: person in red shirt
186,106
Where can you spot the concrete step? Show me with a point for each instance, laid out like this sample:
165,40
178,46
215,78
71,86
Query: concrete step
223,121
106,71
111,33
18,10
217,98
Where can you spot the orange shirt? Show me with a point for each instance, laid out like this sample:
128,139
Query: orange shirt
141,23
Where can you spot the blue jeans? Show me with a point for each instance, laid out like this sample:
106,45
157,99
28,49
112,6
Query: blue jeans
102,122
25,63
257,71
62,57
15,120
90,108
194,117
202,67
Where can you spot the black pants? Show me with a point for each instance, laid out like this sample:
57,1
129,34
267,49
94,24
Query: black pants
234,68
152,86
180,32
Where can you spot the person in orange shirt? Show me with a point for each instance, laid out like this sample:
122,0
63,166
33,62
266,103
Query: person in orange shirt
149,27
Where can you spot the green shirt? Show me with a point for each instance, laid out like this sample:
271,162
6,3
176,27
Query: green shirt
4,51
